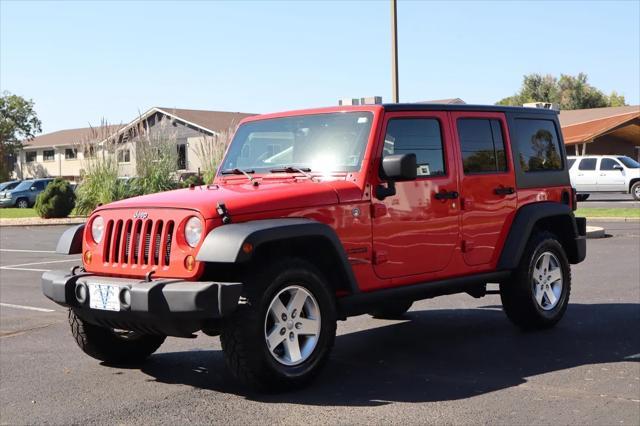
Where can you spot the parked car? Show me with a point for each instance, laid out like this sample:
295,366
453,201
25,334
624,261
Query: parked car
604,173
318,215
24,194
5,186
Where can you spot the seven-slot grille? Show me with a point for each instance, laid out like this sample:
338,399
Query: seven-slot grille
138,242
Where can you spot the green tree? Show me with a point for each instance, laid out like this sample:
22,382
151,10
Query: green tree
18,122
616,100
570,92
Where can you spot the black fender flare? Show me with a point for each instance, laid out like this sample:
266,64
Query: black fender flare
526,219
224,243
70,241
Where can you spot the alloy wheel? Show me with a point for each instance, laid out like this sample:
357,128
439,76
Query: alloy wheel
547,280
292,325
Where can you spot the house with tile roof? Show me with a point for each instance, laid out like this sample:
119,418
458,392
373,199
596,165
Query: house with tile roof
65,153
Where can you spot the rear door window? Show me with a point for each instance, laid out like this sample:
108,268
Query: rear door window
587,164
538,145
481,145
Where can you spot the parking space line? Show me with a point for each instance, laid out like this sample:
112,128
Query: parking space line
27,251
28,308
39,263
4,268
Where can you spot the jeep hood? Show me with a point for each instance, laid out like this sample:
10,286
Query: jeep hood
245,198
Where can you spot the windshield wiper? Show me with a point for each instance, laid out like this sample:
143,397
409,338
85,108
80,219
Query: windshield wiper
237,171
292,169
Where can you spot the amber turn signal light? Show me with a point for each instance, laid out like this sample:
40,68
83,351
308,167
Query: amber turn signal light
190,263
247,248
87,257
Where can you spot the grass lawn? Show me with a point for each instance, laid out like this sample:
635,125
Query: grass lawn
13,213
604,212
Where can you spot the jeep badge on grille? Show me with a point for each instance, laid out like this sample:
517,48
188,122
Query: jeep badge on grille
140,215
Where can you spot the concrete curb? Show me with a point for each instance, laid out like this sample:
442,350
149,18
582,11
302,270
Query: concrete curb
595,232
613,219
37,221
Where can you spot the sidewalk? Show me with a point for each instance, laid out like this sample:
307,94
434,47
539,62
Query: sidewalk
36,221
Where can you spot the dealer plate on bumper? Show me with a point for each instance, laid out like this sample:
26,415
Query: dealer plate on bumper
105,297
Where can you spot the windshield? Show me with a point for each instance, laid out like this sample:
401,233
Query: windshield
332,142
5,186
629,162
24,185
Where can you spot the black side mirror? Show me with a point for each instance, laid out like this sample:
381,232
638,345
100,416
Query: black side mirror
400,167
618,167
396,168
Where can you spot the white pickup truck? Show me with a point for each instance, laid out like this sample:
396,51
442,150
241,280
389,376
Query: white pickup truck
604,173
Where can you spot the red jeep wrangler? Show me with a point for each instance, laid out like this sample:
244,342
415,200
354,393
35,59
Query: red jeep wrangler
322,214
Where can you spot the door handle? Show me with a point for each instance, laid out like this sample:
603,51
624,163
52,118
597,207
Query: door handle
446,195
504,190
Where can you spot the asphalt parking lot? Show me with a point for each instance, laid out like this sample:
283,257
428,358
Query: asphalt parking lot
452,360
610,201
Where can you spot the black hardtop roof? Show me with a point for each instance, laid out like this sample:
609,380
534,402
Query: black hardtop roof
465,107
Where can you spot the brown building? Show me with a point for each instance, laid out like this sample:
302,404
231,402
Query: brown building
602,131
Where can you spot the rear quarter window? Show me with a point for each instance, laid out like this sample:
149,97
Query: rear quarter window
538,145
587,164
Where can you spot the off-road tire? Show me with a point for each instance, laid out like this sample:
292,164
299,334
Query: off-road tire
243,337
392,310
105,345
518,294
635,191
22,203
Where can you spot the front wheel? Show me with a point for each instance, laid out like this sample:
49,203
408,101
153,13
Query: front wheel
537,294
112,346
284,333
635,191
22,203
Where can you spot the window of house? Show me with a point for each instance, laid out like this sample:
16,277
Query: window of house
538,145
481,145
609,164
70,154
124,156
182,157
30,156
48,155
420,136
587,164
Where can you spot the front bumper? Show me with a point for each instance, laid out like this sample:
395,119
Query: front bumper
7,202
164,306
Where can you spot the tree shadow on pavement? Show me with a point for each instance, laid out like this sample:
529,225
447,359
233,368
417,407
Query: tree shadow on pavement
434,355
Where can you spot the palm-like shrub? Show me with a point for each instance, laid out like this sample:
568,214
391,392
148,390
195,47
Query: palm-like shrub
57,200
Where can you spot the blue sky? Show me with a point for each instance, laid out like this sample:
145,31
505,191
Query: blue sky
82,61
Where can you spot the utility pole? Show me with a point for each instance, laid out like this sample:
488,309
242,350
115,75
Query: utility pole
394,51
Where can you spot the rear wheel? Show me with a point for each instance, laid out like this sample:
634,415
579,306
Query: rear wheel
537,294
113,346
22,203
635,191
284,333
392,310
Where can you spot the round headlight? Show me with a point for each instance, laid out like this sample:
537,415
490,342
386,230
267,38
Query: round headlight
193,231
97,229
